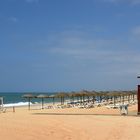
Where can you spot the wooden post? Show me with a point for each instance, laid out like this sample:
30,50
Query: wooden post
1,102
53,101
42,103
138,97
29,104
13,109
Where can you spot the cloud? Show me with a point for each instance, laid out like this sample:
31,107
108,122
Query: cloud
110,55
74,49
136,30
82,56
82,46
13,19
135,1
95,53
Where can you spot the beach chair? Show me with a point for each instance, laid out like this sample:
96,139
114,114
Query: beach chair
2,109
123,109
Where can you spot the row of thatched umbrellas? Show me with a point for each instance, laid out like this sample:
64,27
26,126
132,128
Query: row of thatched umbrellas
41,96
82,95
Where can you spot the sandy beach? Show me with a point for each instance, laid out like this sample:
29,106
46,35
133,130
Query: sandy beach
97,123
69,69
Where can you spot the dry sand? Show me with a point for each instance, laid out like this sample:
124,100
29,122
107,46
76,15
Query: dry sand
69,124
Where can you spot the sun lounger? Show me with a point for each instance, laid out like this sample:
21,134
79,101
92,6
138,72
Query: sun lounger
113,106
124,109
2,110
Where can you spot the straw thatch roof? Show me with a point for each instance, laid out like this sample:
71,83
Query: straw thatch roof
29,96
52,96
61,94
42,96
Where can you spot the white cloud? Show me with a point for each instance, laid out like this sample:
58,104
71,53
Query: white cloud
85,57
84,51
82,47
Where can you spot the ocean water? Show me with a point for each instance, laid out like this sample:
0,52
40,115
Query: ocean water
16,99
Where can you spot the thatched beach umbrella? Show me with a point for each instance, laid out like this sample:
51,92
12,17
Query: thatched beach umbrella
123,94
72,95
128,96
87,94
61,95
119,96
114,94
133,94
100,95
29,97
94,94
107,95
52,96
83,93
42,96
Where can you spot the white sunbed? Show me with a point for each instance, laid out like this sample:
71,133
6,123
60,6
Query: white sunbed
2,110
112,106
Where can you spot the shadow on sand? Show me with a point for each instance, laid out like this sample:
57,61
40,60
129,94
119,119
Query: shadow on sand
82,114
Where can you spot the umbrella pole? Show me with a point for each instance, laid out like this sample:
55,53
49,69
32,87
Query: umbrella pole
42,103
93,99
53,100
123,99
114,100
29,105
133,97
63,100
120,99
88,99
83,99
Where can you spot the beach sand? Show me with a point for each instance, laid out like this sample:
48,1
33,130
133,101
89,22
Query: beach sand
69,124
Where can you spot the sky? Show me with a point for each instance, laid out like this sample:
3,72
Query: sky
69,45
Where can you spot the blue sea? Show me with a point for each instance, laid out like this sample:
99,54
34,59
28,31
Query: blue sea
16,99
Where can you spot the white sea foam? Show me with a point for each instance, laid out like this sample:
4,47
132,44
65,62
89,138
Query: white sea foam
16,104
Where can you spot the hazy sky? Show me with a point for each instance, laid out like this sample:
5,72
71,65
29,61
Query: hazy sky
67,45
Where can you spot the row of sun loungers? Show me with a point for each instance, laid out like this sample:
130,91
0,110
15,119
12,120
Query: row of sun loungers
89,105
